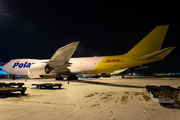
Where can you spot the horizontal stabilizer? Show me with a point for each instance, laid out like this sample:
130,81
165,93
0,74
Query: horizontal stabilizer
140,68
160,54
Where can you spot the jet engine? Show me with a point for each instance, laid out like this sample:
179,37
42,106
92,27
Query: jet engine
39,69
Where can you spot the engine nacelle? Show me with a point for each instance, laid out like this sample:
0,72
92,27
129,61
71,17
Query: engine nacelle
39,69
32,76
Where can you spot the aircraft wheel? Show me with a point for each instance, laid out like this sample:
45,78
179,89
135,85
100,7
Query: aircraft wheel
73,77
76,78
97,76
59,78
13,77
69,78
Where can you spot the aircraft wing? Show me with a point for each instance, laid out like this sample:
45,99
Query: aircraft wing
63,55
160,54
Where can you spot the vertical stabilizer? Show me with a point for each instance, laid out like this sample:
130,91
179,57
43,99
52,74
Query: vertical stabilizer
152,42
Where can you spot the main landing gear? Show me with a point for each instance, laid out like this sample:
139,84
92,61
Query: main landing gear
59,77
70,77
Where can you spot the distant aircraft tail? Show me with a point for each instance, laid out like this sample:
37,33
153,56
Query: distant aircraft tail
151,43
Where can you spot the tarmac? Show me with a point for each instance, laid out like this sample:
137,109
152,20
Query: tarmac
88,99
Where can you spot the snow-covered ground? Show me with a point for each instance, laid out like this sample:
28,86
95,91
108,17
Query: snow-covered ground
88,99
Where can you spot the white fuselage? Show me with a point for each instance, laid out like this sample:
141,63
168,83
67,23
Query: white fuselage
20,66
79,65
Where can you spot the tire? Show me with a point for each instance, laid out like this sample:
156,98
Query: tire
72,78
59,78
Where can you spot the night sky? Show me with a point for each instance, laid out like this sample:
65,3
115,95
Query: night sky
36,29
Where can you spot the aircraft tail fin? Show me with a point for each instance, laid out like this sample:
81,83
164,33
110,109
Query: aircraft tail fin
150,43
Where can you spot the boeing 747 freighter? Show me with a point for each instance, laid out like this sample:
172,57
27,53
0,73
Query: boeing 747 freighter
61,64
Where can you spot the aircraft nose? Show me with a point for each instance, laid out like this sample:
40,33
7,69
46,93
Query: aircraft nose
4,68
